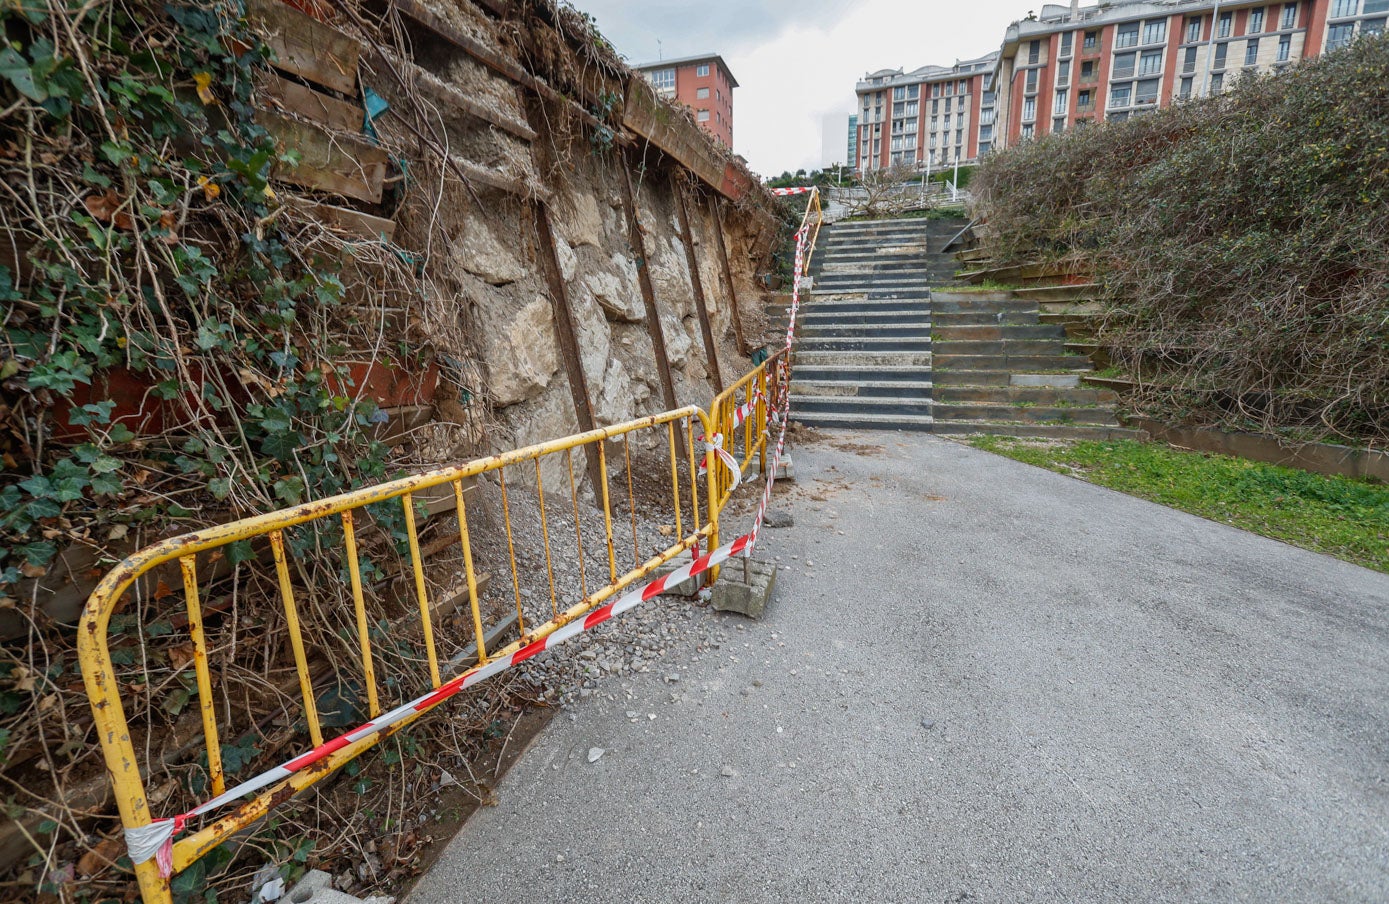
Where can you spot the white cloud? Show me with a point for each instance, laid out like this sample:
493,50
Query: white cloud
795,62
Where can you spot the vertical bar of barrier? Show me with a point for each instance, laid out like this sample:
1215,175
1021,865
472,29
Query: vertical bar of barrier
189,565
578,531
417,563
607,509
712,475
545,534
511,554
349,533
296,637
675,483
631,499
466,541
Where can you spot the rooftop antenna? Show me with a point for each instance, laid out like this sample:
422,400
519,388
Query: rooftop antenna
660,51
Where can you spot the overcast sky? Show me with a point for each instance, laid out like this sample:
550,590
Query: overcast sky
796,60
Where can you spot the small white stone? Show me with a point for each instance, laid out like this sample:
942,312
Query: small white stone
595,753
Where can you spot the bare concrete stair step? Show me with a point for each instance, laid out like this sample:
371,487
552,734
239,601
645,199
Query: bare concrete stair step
879,389
958,377
948,305
950,332
916,329
1036,395
864,344
1027,414
884,373
985,318
862,359
1020,363
1038,431
910,423
1011,348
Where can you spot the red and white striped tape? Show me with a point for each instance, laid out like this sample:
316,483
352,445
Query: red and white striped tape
795,190
156,839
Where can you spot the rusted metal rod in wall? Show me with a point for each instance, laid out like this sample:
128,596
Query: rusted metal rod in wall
696,284
567,336
637,239
716,214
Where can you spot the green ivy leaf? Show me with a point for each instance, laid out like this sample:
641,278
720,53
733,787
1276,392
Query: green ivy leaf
19,72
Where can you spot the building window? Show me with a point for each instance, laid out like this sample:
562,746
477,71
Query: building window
1126,35
1083,100
1123,65
988,100
1220,51
986,133
935,106
1067,40
1154,31
1029,108
1226,22
1147,91
1031,81
702,93
899,93
1026,130
1061,99
1289,15
1184,90
1217,82
1117,117
1251,52
663,79
1150,62
913,91
911,108
1339,35
1193,29
898,110
1373,26
1058,124
702,116
1087,70
1256,21
1063,76
986,117
1285,46
1034,53
1189,60
949,102
1119,95
1092,40
702,70
1344,8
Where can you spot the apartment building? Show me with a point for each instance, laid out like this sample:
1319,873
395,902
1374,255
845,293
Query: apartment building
703,83
1074,65
933,116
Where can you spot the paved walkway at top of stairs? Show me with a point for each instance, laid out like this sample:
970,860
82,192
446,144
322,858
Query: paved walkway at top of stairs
997,684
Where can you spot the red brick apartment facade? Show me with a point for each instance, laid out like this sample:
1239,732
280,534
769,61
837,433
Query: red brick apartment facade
935,115
1074,65
703,83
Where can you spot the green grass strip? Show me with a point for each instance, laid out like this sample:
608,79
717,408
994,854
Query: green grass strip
1339,516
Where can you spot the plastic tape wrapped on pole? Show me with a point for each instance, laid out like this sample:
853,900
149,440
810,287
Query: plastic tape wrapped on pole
716,448
796,190
155,840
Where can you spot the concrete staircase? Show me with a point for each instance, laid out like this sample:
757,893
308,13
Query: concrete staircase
863,353
999,368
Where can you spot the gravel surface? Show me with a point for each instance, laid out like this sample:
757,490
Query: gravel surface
979,681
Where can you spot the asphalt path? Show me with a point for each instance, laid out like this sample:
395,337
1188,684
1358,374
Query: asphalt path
978,681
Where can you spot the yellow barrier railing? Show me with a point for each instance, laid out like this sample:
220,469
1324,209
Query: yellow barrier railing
365,529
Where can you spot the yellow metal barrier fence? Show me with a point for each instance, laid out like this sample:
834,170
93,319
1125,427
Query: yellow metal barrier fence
664,444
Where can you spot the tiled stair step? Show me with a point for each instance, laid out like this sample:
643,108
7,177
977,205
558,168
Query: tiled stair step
874,265
864,389
1036,395
862,421
860,359
849,374
948,332
865,344
1014,363
1039,431
820,330
981,411
1009,347
872,283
